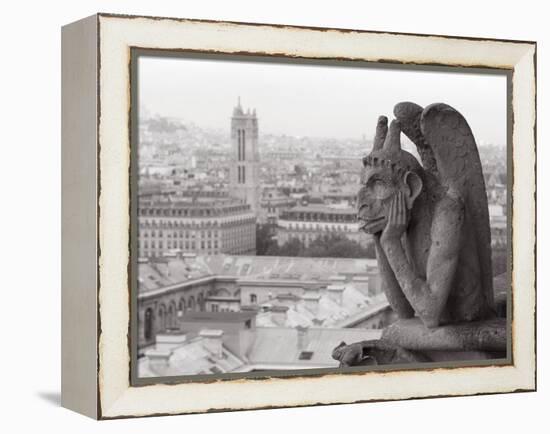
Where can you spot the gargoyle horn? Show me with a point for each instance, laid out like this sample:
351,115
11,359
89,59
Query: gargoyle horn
381,132
393,139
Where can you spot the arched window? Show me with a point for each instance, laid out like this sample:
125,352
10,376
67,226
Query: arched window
239,146
148,326
162,317
191,303
253,298
171,322
181,307
200,302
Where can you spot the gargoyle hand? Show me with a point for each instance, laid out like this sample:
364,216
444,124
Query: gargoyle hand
397,219
352,355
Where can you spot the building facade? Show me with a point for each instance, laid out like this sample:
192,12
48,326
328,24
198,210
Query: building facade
202,225
314,291
273,204
245,159
307,223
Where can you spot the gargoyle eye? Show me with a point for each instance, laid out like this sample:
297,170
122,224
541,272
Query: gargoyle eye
375,182
377,187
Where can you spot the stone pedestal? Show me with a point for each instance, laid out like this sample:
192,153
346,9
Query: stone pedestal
410,341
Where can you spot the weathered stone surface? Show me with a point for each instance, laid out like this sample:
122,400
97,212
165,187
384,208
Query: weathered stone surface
430,224
411,334
374,352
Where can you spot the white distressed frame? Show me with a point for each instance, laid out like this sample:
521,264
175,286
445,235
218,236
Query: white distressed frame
117,34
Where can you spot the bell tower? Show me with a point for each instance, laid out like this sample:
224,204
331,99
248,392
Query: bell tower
244,172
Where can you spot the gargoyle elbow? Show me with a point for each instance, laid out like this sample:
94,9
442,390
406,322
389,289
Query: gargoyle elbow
430,321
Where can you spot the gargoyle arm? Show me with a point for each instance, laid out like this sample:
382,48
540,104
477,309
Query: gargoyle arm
429,296
390,285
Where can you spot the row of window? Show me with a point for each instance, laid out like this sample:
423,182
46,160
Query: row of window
275,210
190,212
161,253
167,317
321,217
192,245
180,234
317,227
177,244
308,237
239,232
199,224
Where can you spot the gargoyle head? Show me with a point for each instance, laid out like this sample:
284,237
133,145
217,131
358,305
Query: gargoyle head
387,170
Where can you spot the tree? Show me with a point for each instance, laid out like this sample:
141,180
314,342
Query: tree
264,239
273,250
325,246
336,246
293,247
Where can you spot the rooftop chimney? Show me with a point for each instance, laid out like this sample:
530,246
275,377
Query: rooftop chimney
158,358
311,302
212,341
313,289
302,340
279,314
336,293
288,299
168,341
361,283
337,279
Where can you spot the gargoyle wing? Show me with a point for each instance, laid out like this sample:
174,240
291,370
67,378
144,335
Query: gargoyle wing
448,150
409,114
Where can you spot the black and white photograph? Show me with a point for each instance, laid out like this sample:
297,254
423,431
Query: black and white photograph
286,217
303,215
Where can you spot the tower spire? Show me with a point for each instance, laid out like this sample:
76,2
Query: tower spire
244,182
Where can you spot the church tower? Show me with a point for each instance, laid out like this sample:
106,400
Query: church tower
244,172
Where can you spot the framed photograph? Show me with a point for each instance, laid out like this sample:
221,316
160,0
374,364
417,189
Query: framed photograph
262,216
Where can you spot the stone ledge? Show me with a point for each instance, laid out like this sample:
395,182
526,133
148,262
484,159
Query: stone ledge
411,334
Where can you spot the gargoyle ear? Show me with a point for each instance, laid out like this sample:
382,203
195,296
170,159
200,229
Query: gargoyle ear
414,184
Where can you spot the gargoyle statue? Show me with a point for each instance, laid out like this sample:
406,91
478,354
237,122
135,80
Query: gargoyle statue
429,221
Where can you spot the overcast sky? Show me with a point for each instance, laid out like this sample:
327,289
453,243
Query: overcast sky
313,100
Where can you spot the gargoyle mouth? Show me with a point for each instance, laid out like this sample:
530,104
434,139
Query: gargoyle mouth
371,225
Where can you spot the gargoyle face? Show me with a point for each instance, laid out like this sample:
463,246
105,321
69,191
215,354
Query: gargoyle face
379,185
378,188
386,170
